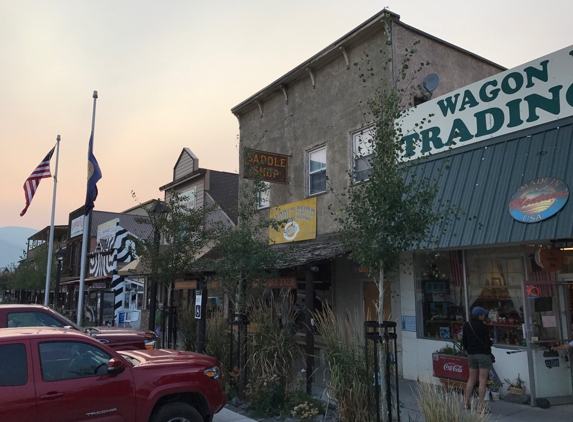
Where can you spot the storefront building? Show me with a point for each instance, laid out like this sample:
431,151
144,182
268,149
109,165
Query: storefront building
502,149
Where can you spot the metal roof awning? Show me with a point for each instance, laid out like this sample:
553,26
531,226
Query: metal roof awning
87,280
482,180
135,267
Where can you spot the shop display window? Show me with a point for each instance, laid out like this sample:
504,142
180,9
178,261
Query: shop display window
495,283
440,287
494,280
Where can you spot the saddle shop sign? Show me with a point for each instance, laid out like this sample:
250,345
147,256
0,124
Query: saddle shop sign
537,92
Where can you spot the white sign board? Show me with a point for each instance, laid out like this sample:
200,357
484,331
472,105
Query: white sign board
77,226
537,92
198,300
106,233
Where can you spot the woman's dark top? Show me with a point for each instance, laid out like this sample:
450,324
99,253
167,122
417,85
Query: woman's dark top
478,343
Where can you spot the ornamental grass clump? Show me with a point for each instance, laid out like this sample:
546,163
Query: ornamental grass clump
349,382
217,344
438,404
273,355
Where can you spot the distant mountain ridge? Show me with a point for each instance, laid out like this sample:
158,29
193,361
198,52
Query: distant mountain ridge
13,241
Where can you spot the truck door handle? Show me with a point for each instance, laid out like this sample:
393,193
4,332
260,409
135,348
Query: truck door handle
52,395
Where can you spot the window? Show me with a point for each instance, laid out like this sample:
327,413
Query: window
441,289
362,149
264,196
66,360
32,319
13,365
493,280
317,171
495,283
188,197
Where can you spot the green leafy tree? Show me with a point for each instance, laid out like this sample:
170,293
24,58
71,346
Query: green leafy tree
30,274
179,235
392,208
246,259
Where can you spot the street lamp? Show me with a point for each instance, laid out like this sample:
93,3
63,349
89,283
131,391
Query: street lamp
158,208
60,253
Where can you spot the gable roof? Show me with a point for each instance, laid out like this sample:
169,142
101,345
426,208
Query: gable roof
333,51
128,221
224,189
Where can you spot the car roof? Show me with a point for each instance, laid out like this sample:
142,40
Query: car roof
25,333
18,305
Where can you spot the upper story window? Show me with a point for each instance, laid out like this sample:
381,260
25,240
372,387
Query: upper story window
317,171
264,196
188,197
362,150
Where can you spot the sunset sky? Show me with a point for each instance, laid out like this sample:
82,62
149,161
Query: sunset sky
168,72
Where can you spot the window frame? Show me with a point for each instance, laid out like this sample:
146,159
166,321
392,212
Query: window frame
358,136
316,172
190,193
264,197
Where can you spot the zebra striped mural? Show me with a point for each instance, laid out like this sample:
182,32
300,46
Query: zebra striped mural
117,247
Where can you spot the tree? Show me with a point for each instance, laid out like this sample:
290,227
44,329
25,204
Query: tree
186,233
392,207
31,271
246,258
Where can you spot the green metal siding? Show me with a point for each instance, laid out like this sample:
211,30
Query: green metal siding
481,181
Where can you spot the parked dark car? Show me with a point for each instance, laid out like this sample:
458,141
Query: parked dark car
119,338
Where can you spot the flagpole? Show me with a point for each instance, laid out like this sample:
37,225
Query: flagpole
51,241
86,236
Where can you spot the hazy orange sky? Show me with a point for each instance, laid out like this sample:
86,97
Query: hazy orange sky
168,73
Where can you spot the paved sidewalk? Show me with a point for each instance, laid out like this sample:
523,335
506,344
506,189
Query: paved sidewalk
227,415
501,411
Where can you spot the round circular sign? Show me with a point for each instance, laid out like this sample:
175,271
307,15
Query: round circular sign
538,200
291,230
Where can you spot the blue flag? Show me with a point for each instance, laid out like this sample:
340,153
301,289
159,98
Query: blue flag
94,174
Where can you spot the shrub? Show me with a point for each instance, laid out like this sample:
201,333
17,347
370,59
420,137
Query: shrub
217,343
188,329
273,354
346,360
445,405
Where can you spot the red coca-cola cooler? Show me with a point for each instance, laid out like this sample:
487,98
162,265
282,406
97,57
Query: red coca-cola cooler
451,367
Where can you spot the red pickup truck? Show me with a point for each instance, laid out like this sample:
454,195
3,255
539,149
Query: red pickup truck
119,338
59,374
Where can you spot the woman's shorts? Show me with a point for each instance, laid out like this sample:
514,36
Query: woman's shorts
480,361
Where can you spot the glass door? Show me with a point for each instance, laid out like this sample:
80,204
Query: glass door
548,323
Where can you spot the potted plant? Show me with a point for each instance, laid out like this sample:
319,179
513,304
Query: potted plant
516,386
493,388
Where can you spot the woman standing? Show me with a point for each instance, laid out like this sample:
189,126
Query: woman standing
477,343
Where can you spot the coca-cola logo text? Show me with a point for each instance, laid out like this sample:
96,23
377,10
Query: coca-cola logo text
448,366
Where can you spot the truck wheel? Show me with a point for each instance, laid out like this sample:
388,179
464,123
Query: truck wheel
176,412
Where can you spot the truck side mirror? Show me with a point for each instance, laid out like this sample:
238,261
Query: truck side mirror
115,366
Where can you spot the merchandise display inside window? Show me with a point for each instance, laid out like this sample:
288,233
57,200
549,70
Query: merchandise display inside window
440,285
494,280
495,283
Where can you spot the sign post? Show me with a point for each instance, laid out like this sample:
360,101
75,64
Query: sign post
200,314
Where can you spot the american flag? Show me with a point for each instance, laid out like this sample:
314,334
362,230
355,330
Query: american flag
542,279
42,171
457,267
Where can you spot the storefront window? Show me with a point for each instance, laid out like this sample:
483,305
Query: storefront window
441,289
495,283
494,279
